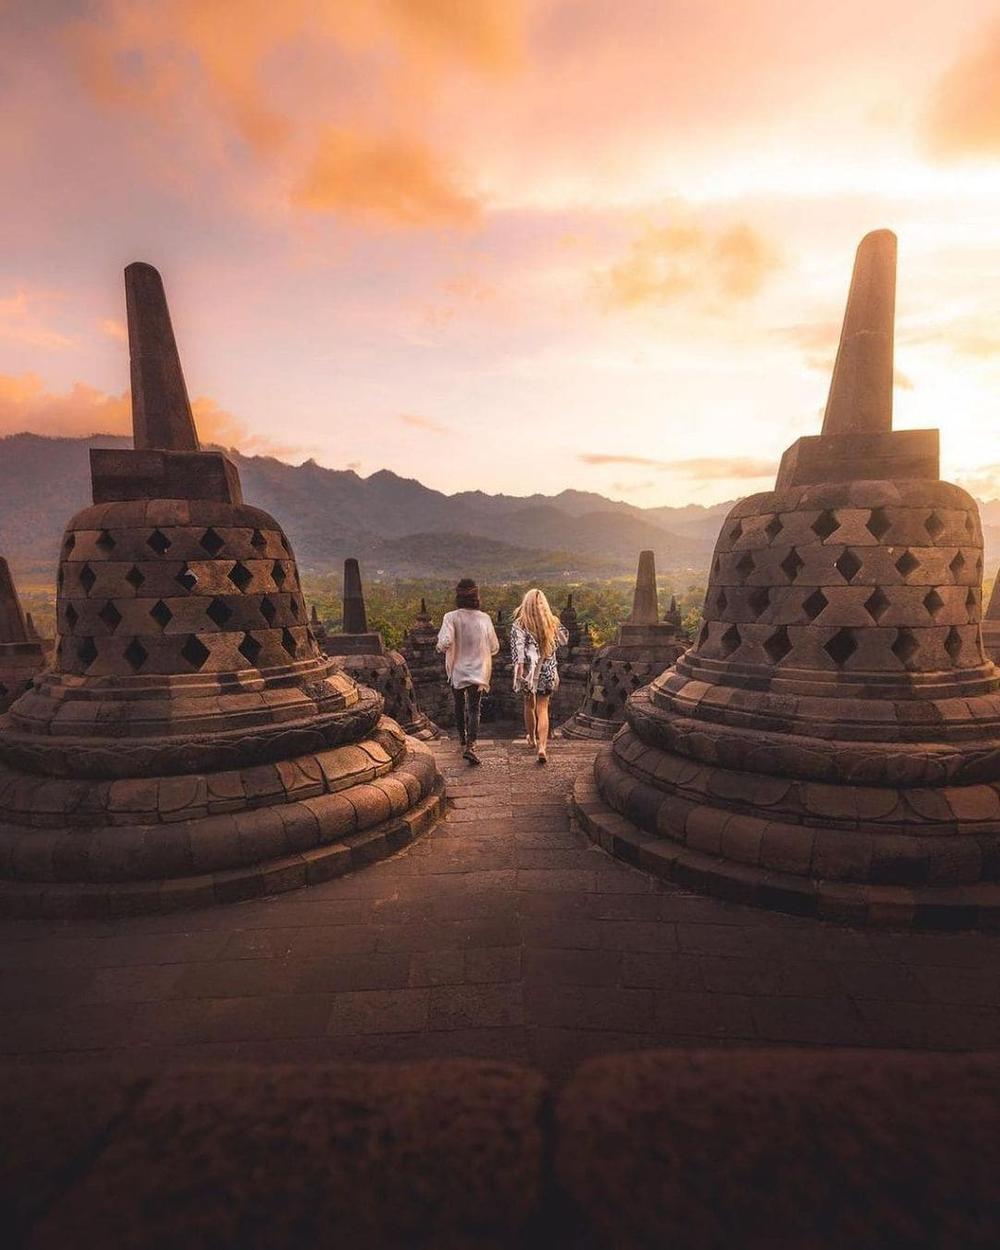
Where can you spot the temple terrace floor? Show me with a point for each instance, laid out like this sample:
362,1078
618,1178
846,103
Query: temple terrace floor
503,933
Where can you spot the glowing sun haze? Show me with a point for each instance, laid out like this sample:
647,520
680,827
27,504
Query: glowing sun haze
513,245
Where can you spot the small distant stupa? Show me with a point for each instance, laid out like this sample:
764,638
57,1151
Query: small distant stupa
192,744
575,660
22,652
644,646
427,668
828,746
363,654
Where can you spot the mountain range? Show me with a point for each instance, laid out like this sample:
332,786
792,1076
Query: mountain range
395,526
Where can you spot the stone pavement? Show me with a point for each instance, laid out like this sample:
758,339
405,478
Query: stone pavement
503,933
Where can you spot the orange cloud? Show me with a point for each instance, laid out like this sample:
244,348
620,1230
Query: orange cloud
21,321
25,405
386,178
964,116
682,259
423,423
115,329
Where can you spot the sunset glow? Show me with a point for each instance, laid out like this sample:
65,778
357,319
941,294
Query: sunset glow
509,245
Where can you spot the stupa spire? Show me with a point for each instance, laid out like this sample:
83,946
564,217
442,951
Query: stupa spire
645,608
161,411
13,627
860,400
355,615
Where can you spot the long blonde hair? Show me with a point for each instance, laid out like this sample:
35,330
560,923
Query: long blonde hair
535,615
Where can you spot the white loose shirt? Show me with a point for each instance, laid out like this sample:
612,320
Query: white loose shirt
469,643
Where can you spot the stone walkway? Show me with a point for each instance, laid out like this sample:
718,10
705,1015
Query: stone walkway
503,933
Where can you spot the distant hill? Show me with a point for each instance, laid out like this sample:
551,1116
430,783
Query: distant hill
394,525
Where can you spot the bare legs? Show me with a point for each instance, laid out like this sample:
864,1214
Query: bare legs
529,718
542,725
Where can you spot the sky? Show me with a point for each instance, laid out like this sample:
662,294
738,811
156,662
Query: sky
508,245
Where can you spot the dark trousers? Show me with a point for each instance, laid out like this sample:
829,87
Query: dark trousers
468,701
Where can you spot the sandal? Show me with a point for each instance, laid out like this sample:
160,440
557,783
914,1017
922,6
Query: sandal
542,757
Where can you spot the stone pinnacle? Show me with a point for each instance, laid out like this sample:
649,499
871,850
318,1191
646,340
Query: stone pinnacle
645,609
12,624
161,411
355,616
860,400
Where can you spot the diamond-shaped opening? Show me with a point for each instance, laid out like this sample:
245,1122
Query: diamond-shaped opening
933,602
288,641
971,603
736,532
240,576
187,578
194,651
970,526
957,564
161,614
136,654
293,605
730,640
934,526
878,523
791,564
906,563
87,578
134,578
59,577
847,564
258,540
72,616
212,542
278,573
110,615
158,542
877,604
218,612
721,602
745,565
778,645
841,646
250,649
906,646
716,566
86,652
70,543
105,541
825,525
815,604
953,644
760,600
773,528
268,610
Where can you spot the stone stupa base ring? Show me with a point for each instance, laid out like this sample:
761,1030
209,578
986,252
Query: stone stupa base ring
167,843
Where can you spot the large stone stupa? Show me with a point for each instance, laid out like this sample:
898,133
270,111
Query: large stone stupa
644,646
22,651
192,743
831,744
362,654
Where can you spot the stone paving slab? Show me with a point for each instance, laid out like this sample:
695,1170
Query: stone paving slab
502,933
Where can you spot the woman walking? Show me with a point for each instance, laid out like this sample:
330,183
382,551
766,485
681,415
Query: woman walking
469,643
534,637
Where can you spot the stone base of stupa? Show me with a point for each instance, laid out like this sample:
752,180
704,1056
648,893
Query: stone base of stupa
74,846
19,663
388,673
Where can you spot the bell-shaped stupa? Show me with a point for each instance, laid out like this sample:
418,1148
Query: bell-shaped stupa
22,651
192,743
575,660
427,669
644,646
362,654
831,743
